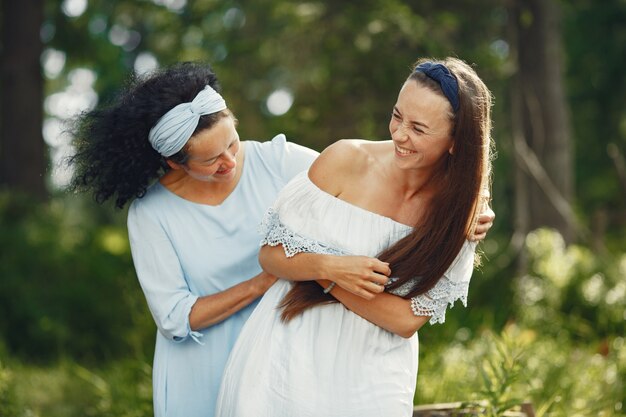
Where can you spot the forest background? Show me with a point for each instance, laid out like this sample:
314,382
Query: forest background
546,317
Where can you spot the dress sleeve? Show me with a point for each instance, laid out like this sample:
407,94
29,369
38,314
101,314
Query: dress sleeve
290,158
161,276
276,233
452,286
297,209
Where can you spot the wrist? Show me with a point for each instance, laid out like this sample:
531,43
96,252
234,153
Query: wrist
326,285
258,285
326,268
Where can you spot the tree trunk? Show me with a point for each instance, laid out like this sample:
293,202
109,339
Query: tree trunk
541,120
22,149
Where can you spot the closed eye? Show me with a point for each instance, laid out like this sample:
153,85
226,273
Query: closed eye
211,161
214,160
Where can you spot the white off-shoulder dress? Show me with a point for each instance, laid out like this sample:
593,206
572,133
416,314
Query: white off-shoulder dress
329,362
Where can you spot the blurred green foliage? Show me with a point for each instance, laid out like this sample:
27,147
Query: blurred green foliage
122,389
76,335
8,396
570,290
563,347
558,377
68,287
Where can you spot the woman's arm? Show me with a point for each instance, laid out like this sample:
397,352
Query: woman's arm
359,275
214,308
364,295
178,312
388,311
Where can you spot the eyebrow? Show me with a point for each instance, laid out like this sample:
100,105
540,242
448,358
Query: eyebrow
413,122
217,156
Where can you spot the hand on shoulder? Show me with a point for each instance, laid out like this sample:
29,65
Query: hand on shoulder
338,165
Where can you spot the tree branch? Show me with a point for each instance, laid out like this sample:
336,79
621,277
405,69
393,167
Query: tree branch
533,167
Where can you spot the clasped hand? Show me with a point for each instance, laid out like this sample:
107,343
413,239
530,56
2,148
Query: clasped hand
366,277
360,275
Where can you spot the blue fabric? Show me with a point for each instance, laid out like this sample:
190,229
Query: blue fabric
182,251
446,80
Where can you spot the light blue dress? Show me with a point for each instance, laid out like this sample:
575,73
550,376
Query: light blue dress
184,250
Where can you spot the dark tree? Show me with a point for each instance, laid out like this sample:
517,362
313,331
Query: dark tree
540,120
22,149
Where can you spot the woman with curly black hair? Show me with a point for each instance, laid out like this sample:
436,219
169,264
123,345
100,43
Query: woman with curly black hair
170,144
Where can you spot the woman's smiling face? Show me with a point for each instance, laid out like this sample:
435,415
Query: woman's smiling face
421,127
212,153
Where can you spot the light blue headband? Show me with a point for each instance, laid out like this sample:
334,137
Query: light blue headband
170,134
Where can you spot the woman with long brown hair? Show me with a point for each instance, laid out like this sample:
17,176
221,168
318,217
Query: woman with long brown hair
324,342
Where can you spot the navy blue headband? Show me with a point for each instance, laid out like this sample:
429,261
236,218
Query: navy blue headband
446,80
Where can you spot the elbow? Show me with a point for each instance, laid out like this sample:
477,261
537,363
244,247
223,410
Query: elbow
172,331
195,323
179,319
265,258
407,333
411,326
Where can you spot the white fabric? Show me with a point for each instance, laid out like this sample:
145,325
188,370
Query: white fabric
170,134
327,362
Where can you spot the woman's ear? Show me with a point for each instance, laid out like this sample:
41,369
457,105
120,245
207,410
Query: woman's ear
173,164
451,149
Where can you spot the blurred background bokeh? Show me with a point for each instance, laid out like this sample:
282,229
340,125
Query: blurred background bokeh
546,321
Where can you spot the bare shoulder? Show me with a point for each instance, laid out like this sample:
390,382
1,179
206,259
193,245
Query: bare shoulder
339,163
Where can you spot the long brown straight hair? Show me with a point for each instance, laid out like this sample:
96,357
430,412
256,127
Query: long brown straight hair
429,250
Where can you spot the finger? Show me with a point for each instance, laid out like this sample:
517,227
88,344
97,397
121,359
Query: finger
364,294
481,228
381,267
487,216
378,279
373,287
356,290
478,236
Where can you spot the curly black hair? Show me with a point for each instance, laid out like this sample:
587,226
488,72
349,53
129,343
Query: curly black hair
113,157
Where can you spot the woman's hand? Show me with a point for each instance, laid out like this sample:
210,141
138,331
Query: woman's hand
485,221
359,275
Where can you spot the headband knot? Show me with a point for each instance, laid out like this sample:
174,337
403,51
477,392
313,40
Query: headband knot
170,134
446,80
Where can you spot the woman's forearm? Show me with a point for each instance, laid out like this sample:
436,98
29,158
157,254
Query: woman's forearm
301,267
214,308
359,275
388,311
385,310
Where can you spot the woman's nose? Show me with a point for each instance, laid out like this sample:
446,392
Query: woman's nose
400,134
229,159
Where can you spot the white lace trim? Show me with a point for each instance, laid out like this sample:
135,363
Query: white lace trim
434,303
275,233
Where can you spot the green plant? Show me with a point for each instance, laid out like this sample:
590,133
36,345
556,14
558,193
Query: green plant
8,398
501,368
